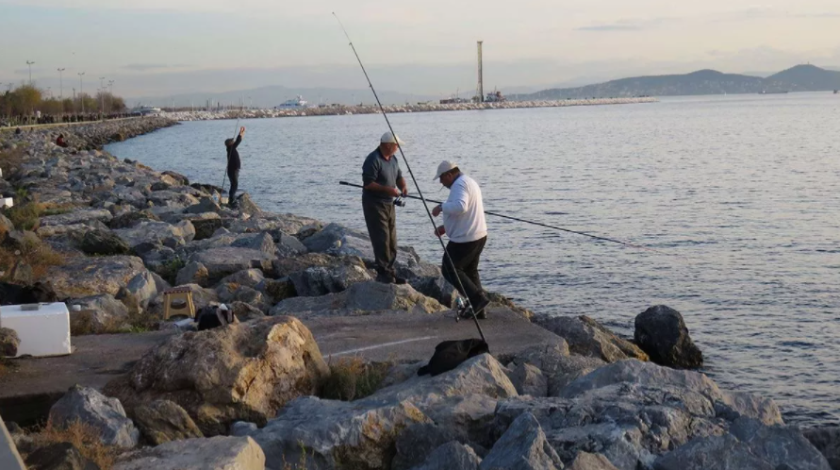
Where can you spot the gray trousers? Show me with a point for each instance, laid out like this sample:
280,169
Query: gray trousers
381,220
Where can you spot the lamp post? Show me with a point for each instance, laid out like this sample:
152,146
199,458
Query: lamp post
101,95
30,71
61,83
111,96
82,91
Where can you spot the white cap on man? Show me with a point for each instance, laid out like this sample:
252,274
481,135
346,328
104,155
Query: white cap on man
445,166
389,138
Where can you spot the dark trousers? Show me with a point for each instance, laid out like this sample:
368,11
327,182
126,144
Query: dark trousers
233,176
381,220
465,257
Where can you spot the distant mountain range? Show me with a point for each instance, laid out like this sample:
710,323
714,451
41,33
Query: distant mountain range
702,82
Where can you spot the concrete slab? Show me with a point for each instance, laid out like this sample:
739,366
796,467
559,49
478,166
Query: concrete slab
405,336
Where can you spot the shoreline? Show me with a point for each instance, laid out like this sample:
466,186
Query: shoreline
125,233
342,110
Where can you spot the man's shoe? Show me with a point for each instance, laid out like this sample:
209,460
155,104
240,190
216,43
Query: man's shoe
385,279
399,280
481,309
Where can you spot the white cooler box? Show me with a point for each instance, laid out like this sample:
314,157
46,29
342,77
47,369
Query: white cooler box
42,332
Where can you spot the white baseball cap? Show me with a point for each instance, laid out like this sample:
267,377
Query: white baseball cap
388,138
445,166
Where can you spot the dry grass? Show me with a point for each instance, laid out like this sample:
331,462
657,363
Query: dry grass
82,323
352,378
84,437
169,270
37,254
26,216
10,161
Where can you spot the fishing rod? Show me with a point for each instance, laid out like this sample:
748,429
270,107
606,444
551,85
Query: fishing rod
413,178
540,224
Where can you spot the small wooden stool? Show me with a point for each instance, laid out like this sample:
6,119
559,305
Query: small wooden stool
178,302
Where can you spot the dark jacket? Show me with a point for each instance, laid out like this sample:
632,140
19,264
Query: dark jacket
233,155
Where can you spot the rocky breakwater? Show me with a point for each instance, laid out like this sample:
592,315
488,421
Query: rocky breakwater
111,236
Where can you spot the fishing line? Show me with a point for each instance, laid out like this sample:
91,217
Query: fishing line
540,224
419,191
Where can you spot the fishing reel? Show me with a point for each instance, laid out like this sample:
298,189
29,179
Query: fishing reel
462,309
400,201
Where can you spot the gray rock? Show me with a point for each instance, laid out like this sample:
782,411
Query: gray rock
105,414
22,273
99,242
452,455
587,461
229,293
322,280
416,443
177,177
59,456
242,428
205,205
568,369
587,337
221,262
9,342
247,206
778,445
437,288
83,276
367,296
161,186
279,289
248,277
662,334
334,236
206,228
193,273
162,421
143,287
522,447
157,233
81,216
288,245
131,219
261,241
99,313
216,453
827,441
529,380
6,225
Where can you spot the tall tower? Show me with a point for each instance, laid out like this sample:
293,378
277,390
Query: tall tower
480,74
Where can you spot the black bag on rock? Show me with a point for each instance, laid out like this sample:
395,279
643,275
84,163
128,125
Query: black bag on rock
450,354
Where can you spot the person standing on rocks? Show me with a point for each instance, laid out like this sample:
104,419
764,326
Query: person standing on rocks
464,224
381,176
233,165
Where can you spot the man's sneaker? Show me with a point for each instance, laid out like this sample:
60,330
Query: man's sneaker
481,309
399,280
385,279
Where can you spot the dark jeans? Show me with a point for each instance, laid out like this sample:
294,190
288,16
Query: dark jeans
381,219
465,257
233,176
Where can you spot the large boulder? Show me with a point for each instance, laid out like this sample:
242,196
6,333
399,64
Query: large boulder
132,219
157,233
90,407
337,240
632,411
344,435
827,441
100,242
205,205
587,461
417,442
243,372
529,380
82,276
451,455
436,287
750,445
144,287
9,342
662,334
81,216
322,280
193,273
216,453
221,262
162,421
367,296
589,338
523,447
252,278
97,314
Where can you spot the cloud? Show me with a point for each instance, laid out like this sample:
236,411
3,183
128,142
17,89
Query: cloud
148,67
630,25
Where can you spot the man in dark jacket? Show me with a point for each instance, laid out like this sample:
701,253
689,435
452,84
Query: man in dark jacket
233,165
382,176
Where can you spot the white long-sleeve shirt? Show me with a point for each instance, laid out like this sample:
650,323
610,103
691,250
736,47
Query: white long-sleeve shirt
463,211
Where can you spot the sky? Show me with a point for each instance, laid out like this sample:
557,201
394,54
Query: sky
164,47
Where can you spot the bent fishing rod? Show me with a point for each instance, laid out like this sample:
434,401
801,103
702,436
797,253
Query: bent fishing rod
413,178
539,224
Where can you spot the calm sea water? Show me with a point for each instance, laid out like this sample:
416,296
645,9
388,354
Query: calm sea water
742,193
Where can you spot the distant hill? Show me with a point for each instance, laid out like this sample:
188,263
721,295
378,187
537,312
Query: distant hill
702,82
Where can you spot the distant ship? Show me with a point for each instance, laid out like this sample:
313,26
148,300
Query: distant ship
294,103
772,92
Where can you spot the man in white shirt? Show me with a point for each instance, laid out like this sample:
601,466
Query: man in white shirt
463,223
